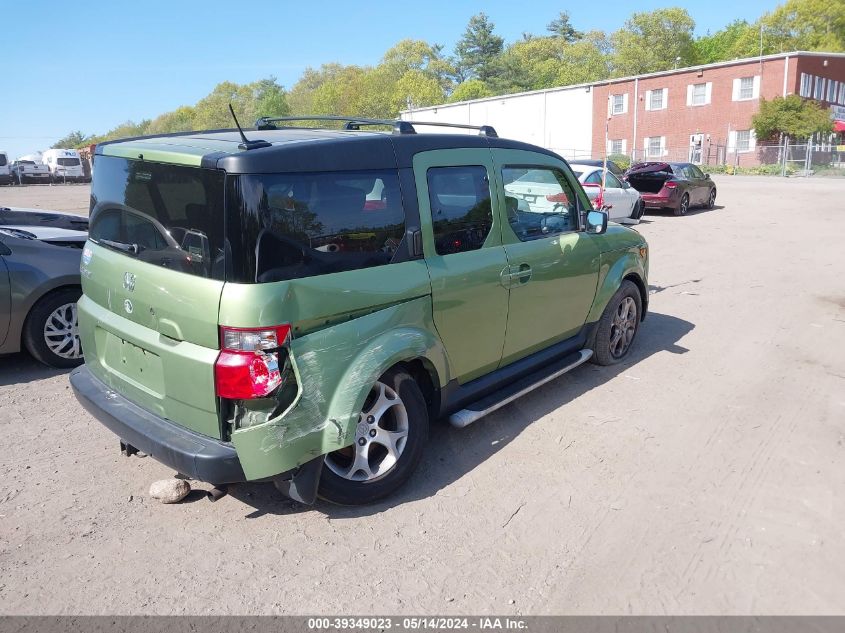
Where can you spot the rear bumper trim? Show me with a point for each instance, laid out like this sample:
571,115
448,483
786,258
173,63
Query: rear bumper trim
197,456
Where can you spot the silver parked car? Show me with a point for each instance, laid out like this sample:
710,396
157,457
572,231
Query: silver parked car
40,284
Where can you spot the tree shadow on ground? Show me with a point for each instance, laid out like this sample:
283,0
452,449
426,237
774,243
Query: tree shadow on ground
469,447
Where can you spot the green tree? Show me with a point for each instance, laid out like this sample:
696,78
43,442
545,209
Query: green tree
301,95
417,55
725,44
418,89
653,41
805,25
547,62
470,89
270,98
586,60
562,27
72,141
478,49
793,116
212,111
179,120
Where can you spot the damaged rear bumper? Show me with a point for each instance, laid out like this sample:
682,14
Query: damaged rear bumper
197,456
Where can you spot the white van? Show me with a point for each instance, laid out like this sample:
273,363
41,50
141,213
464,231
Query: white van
5,171
65,165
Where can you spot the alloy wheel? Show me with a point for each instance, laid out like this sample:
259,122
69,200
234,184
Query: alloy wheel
624,327
61,334
380,438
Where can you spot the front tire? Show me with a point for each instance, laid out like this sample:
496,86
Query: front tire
711,200
683,205
618,325
50,332
390,437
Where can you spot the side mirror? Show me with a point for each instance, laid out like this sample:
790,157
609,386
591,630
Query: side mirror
596,222
626,184
707,176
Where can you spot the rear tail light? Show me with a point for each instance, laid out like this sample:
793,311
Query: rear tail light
669,184
558,197
248,364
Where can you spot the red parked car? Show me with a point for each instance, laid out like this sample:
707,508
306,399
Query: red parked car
676,186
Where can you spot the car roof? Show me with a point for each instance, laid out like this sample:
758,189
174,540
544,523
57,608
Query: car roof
298,149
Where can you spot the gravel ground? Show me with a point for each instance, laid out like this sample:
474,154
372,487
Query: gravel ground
703,476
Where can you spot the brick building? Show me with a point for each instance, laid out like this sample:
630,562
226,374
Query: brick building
701,114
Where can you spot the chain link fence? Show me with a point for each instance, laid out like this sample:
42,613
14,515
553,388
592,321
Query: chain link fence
786,159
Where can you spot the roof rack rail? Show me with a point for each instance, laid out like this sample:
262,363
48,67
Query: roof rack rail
355,123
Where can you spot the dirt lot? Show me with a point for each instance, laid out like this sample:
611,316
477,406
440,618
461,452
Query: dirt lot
705,475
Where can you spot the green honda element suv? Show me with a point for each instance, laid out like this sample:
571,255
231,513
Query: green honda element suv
299,308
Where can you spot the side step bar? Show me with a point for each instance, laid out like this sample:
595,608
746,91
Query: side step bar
504,396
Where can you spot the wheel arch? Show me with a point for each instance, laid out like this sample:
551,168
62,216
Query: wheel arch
628,265
17,326
640,284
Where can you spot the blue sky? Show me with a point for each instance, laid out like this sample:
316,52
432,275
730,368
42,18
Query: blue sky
92,64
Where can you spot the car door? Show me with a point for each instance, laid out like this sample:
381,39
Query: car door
618,196
5,294
695,187
701,182
552,264
462,245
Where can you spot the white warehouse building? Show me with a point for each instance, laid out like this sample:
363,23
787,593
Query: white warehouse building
560,119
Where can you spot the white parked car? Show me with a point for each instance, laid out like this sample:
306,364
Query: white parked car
624,202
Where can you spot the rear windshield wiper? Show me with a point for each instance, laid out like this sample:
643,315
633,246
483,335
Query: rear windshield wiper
121,246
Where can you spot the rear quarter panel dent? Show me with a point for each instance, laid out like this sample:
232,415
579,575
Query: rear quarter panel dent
335,368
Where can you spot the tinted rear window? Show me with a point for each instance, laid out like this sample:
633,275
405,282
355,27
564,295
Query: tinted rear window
289,226
68,162
167,215
3,160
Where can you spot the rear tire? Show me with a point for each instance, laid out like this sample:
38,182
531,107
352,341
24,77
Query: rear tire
390,438
50,332
618,326
683,205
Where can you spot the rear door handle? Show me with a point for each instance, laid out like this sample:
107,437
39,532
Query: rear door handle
512,275
522,274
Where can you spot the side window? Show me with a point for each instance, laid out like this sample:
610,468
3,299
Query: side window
461,213
300,225
539,201
612,181
593,179
696,172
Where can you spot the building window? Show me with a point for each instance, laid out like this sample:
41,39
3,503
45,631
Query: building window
831,91
743,140
842,93
698,94
618,104
818,88
617,146
654,146
746,88
656,99
806,85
